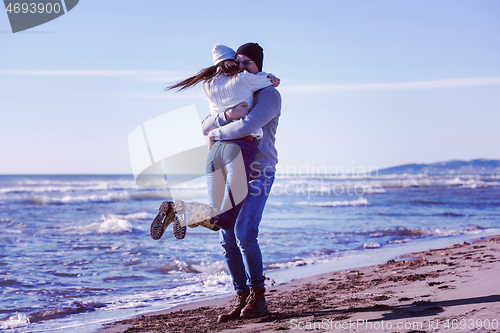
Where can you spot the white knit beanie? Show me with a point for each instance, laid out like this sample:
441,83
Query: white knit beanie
222,52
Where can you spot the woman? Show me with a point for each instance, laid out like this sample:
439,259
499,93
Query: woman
228,164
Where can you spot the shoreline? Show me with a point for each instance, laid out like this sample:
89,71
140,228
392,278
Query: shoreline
425,290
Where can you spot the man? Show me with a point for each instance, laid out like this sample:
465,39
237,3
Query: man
241,248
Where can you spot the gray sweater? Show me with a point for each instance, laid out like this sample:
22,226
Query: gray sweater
265,114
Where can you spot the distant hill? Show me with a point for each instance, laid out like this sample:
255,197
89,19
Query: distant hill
479,166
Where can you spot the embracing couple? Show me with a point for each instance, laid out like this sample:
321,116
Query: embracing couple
241,126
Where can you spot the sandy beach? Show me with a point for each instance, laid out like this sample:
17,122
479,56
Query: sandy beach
455,289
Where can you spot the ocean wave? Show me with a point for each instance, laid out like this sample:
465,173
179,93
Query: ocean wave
74,308
423,214
192,282
396,231
450,203
288,187
451,214
112,197
359,202
423,180
178,266
373,190
62,189
139,216
430,202
10,231
7,283
15,321
41,189
93,198
119,278
295,262
397,234
107,224
194,288
411,234
209,268
371,245
310,260
33,186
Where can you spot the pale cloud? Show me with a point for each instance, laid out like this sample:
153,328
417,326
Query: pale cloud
144,75
194,94
141,75
164,95
436,84
173,76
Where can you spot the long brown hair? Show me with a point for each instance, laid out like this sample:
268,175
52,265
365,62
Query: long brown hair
227,67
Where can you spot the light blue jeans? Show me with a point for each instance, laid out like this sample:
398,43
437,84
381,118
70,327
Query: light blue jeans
228,172
241,248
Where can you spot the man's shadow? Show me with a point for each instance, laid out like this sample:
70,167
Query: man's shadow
416,309
423,308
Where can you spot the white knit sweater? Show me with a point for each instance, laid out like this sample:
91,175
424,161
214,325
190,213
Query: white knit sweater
224,92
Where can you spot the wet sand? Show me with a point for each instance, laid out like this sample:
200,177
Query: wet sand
456,289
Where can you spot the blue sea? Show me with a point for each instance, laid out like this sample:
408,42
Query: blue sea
75,251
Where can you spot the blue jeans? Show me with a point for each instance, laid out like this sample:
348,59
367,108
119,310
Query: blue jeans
241,249
228,174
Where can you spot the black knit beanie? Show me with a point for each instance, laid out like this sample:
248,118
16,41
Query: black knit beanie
254,52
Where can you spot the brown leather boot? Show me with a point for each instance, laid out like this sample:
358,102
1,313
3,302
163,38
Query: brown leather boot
165,216
241,301
256,304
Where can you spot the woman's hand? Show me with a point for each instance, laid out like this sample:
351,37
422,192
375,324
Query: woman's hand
274,80
238,112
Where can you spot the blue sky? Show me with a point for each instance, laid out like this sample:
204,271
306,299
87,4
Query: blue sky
364,83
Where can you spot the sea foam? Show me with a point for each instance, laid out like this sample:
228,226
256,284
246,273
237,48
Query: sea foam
15,321
107,224
68,199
